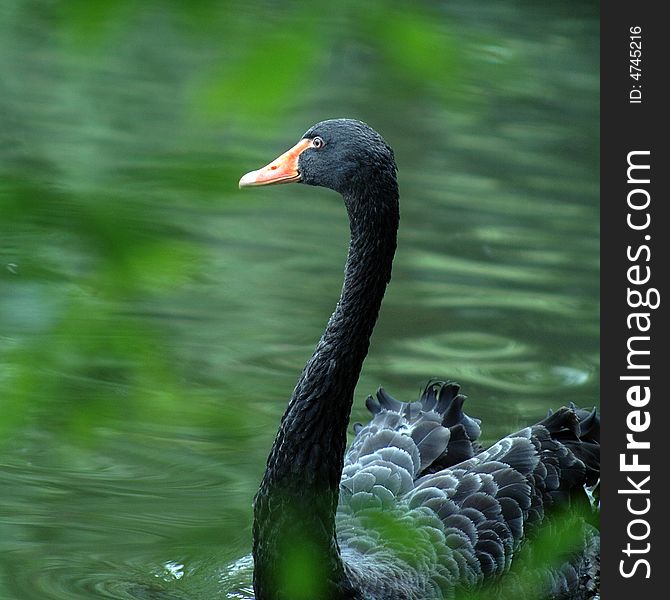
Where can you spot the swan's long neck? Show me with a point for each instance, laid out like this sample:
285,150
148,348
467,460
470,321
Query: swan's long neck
294,510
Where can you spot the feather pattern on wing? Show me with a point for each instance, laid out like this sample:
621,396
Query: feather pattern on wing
424,510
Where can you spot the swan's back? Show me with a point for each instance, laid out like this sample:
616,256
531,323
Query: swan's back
424,510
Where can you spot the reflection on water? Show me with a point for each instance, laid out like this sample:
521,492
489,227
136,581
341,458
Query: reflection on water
153,319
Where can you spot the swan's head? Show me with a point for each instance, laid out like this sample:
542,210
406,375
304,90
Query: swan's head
344,155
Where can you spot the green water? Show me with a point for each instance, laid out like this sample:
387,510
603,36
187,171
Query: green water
154,319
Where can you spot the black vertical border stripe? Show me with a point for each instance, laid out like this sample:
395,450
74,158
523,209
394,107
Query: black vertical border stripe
627,127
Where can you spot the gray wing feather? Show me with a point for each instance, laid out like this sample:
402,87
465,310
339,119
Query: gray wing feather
418,469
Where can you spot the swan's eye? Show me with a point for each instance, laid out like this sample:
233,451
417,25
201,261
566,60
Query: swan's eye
317,142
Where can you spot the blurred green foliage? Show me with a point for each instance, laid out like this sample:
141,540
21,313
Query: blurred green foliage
559,540
299,573
153,320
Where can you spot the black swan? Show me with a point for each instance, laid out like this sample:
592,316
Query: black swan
416,508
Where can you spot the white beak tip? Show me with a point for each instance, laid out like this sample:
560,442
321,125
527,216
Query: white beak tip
248,180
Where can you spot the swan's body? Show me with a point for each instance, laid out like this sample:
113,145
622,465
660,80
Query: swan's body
416,509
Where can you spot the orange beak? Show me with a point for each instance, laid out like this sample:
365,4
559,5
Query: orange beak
283,169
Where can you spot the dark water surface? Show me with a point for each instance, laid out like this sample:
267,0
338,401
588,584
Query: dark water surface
154,319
